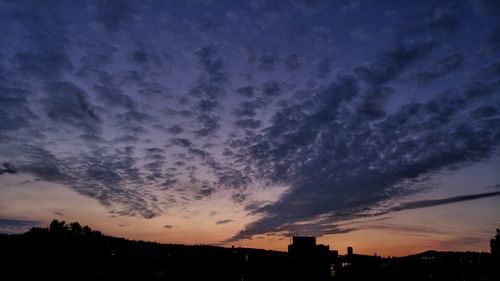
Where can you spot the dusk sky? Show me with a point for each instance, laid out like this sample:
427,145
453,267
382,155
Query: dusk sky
366,123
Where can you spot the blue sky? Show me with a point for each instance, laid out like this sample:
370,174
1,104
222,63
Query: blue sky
251,119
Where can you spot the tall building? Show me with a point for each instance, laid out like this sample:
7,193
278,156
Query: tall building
310,261
302,246
349,251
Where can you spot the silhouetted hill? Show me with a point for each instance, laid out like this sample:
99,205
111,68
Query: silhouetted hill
72,252
65,251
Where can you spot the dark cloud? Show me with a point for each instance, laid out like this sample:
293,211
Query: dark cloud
442,67
35,160
293,62
205,192
181,142
271,88
208,26
114,96
67,103
447,18
248,108
438,18
487,7
438,202
390,64
328,227
324,67
108,175
112,177
353,165
114,15
371,105
266,61
204,105
175,129
213,75
490,71
42,65
14,108
11,226
97,55
155,150
485,111
210,124
7,168
139,56
133,117
344,145
223,221
153,89
245,91
493,39
248,123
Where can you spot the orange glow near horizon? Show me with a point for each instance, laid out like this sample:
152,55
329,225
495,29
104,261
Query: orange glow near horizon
401,233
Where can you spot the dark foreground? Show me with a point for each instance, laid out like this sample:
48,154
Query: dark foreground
70,252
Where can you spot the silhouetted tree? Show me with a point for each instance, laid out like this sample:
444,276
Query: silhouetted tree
38,231
87,230
75,228
58,227
495,244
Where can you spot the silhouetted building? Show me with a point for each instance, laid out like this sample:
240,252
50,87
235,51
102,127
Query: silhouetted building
302,246
309,261
350,251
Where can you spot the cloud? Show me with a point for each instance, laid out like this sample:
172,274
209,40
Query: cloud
323,67
108,175
7,168
112,95
292,62
114,15
359,34
442,67
175,129
248,108
335,224
68,104
266,61
248,123
388,65
447,18
12,226
246,91
42,65
487,7
223,221
271,88
437,202
15,112
209,123
493,39
213,111
339,165
34,160
139,56
181,142
437,18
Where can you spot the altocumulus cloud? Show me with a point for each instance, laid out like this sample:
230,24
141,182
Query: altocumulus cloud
163,117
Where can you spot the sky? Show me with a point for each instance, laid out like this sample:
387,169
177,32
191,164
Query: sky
372,124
